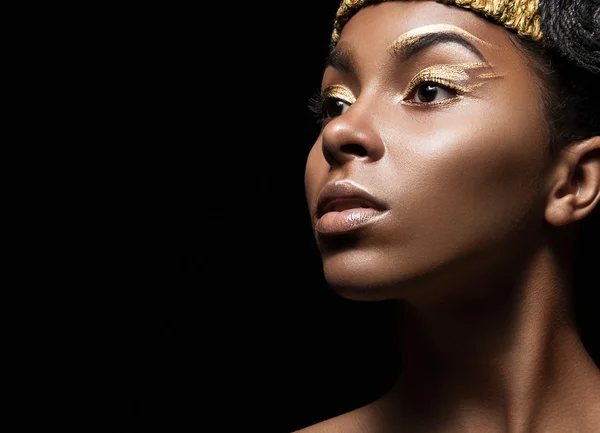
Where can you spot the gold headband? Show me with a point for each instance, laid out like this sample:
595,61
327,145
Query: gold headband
518,15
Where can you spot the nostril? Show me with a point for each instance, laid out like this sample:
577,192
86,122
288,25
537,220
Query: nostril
354,149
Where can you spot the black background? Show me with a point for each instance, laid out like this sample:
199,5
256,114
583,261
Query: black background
230,319
231,324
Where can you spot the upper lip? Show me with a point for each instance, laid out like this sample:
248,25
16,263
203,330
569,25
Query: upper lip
346,195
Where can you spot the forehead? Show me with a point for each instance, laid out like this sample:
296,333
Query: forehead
375,27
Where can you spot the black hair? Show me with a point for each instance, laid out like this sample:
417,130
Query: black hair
568,61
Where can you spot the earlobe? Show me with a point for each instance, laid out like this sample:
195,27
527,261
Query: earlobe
575,189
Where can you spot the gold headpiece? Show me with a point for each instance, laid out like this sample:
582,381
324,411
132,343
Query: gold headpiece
518,15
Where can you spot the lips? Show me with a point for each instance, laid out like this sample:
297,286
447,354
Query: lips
345,206
340,204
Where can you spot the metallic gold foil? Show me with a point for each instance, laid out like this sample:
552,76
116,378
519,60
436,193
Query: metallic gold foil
520,16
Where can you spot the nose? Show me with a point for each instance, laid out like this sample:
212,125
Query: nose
352,136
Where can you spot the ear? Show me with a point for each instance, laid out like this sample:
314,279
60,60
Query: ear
574,183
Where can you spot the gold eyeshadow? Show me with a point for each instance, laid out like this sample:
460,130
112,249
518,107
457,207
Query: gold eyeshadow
338,92
454,76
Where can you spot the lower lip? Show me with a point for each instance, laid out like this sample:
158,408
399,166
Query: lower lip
333,223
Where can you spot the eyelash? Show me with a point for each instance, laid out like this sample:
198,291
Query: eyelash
315,106
424,77
317,99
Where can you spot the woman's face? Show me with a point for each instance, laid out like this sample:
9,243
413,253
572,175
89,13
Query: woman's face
430,163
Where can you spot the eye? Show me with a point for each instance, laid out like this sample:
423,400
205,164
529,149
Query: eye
428,92
330,103
333,107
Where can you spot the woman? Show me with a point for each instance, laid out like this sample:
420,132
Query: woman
458,159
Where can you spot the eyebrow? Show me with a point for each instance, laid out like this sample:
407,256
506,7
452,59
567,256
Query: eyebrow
341,59
415,41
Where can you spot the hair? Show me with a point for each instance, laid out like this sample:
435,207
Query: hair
567,61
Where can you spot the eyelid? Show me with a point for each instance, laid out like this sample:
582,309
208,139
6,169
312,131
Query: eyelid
450,76
339,92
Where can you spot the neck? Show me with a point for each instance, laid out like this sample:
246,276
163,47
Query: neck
500,354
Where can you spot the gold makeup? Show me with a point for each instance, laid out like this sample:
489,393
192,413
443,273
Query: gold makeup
519,15
490,75
338,92
412,36
456,77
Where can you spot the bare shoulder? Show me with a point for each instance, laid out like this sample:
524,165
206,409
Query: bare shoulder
348,422
366,419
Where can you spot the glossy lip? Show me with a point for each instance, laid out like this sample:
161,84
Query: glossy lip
354,201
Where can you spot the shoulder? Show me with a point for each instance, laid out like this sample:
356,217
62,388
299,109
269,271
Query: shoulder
362,420
351,422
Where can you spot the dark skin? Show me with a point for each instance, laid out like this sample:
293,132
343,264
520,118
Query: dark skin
473,232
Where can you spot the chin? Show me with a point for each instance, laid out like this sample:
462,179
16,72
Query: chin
377,274
365,276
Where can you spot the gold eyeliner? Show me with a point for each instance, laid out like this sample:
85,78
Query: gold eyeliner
455,77
490,75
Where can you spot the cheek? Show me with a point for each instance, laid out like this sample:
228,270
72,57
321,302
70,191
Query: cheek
469,182
315,172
